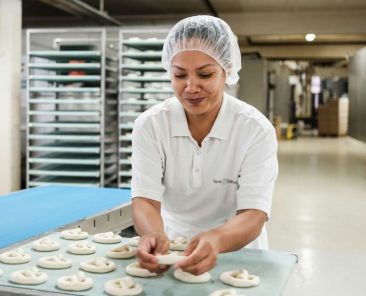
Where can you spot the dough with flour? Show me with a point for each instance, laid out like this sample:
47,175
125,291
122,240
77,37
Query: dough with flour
30,276
81,248
17,256
239,278
99,265
122,287
76,282
107,238
135,269
55,262
45,245
134,241
122,252
169,259
187,277
178,244
74,234
225,292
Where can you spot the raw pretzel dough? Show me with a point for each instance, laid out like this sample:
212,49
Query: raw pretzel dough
55,262
107,238
134,241
99,265
74,234
169,259
178,244
186,277
45,245
122,287
239,278
76,282
135,269
17,256
81,248
226,292
122,252
30,276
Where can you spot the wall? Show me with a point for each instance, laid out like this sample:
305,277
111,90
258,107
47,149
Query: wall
357,95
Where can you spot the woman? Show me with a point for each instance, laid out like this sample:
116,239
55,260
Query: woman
204,163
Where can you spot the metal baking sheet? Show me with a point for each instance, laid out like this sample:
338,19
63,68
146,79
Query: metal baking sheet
272,267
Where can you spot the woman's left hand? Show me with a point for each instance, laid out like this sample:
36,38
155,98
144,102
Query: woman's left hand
202,253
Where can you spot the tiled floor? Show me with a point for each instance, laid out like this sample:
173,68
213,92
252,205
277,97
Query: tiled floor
319,212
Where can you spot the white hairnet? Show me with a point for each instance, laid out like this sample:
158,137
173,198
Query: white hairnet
207,34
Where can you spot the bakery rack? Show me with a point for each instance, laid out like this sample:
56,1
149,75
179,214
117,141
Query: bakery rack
72,79
143,82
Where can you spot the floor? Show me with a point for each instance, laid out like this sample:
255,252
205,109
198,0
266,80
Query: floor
319,212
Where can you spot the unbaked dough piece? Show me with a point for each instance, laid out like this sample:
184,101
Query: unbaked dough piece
122,287
169,259
134,241
45,245
99,265
81,248
74,234
225,292
135,269
122,252
239,278
55,262
187,277
17,256
76,282
178,244
107,238
30,276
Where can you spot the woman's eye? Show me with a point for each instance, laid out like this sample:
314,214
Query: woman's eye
205,75
179,75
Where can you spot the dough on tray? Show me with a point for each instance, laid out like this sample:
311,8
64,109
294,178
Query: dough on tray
122,287
135,269
107,238
169,259
81,248
134,241
45,245
76,282
239,278
187,277
225,292
74,234
55,262
178,244
31,276
122,252
16,256
98,265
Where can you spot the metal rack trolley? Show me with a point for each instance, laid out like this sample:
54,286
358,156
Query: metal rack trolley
71,108
143,82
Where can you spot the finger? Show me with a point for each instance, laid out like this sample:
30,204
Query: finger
147,244
204,265
197,255
191,246
162,247
146,257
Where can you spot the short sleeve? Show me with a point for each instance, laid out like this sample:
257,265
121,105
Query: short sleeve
258,174
147,165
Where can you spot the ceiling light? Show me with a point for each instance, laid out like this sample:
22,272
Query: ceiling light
310,37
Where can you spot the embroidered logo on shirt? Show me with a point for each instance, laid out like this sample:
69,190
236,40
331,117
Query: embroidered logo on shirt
225,181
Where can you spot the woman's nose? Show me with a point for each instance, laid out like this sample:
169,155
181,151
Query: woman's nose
192,85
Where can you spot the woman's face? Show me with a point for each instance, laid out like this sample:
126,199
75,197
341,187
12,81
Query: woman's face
198,82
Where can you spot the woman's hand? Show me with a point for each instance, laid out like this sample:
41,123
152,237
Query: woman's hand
149,246
202,253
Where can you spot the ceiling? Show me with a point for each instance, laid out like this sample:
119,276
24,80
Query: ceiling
274,29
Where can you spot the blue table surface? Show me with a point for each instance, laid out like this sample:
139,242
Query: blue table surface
31,212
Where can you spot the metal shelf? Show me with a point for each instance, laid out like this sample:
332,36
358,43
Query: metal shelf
70,147
64,101
143,56
65,89
64,113
67,124
66,170
66,158
143,67
56,55
65,66
66,78
144,44
146,91
84,182
145,78
139,102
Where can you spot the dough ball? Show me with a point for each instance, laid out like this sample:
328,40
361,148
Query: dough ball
122,287
99,265
81,248
76,282
55,262
30,276
239,278
45,245
186,277
122,252
134,241
178,244
17,256
135,269
225,292
107,238
74,234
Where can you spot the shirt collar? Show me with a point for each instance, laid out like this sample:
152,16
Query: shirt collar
220,129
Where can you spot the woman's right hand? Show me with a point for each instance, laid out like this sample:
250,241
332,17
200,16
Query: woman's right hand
149,246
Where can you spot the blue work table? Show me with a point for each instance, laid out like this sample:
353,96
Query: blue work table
29,213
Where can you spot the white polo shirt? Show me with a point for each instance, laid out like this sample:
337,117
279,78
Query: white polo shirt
200,188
